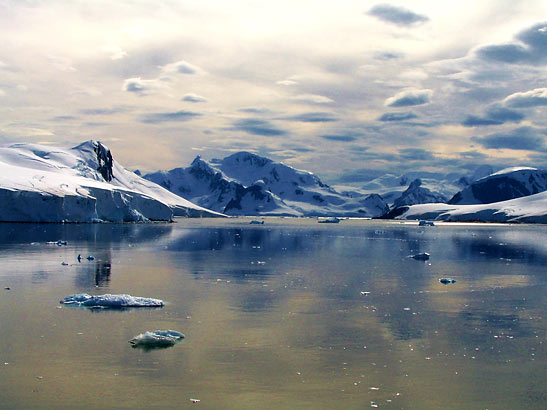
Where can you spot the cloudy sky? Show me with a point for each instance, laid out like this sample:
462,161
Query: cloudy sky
345,89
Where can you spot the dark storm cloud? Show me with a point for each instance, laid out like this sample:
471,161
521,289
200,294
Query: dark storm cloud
254,110
523,138
313,117
62,118
158,118
258,127
531,48
397,116
397,15
474,121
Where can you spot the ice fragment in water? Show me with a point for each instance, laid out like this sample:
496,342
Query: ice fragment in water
421,256
157,338
446,281
110,301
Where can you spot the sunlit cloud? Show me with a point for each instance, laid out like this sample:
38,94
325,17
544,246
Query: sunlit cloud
409,98
399,16
193,98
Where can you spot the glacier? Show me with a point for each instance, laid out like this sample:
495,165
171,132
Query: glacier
83,184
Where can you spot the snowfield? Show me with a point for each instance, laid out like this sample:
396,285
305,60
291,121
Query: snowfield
83,184
528,209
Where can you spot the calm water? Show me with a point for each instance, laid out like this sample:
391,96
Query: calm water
274,316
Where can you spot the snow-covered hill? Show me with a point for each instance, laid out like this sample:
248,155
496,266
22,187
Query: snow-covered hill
530,209
247,184
506,184
82,184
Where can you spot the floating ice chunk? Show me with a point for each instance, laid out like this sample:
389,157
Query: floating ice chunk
110,301
426,223
256,222
420,256
157,338
90,258
446,281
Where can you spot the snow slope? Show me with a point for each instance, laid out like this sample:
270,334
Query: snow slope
247,184
83,184
506,184
530,209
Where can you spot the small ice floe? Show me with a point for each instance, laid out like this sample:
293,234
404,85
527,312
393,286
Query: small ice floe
90,258
7,288
62,243
331,220
426,223
110,301
195,400
256,222
64,263
156,339
446,281
365,293
424,256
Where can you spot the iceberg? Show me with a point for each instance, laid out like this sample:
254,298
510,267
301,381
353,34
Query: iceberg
157,338
110,301
421,256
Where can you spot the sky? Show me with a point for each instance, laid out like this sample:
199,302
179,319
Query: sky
345,89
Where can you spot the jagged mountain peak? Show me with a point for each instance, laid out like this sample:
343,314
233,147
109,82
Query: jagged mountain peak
246,157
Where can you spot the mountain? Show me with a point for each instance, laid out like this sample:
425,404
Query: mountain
506,184
392,186
83,184
416,194
248,184
528,209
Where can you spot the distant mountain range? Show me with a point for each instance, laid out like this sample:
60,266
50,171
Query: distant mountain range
85,184
248,184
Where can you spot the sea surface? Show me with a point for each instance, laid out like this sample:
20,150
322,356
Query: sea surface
290,314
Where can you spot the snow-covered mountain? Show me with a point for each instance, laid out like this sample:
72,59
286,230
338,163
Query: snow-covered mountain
503,185
528,209
83,184
247,184
416,194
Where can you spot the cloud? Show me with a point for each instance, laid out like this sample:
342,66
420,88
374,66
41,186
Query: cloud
388,55
397,116
397,15
161,117
532,98
474,121
254,110
102,111
139,86
415,154
340,138
313,117
531,48
193,98
182,67
256,126
286,82
495,115
359,175
312,98
523,138
409,98
116,53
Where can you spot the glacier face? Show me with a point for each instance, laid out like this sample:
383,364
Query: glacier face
247,184
83,184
